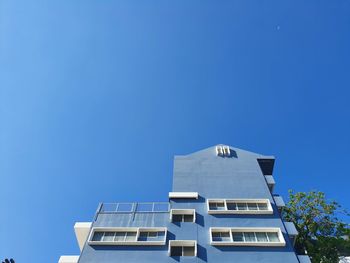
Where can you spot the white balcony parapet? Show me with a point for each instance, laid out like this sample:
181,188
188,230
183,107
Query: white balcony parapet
82,230
304,259
187,195
68,259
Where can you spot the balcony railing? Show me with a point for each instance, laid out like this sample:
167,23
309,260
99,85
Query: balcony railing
134,208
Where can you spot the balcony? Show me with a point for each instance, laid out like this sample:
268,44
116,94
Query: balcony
158,207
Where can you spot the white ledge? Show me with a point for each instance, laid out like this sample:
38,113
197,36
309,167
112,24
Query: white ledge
82,230
192,195
68,259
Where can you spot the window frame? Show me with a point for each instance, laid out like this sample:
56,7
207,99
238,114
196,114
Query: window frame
182,244
268,211
136,242
183,212
243,230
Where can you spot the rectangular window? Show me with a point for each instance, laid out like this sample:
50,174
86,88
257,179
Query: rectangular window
253,236
128,236
239,206
151,236
183,248
183,215
217,205
221,236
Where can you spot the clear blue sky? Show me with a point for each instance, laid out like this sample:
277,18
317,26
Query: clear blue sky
98,96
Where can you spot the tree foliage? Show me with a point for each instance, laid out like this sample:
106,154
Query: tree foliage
322,235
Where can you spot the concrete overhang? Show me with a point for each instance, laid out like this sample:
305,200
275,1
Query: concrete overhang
82,230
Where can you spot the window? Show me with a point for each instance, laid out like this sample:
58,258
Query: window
183,215
247,236
239,206
222,150
221,236
151,236
217,205
185,248
128,236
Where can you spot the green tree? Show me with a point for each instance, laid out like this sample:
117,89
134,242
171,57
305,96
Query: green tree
322,235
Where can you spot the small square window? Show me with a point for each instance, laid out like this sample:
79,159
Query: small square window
176,251
188,251
237,237
188,218
242,206
217,205
262,206
261,237
273,237
177,218
249,237
108,236
252,206
97,236
231,206
182,215
130,236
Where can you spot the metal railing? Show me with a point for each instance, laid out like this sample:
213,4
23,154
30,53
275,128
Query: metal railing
135,207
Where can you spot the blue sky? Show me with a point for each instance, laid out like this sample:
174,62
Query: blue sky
96,97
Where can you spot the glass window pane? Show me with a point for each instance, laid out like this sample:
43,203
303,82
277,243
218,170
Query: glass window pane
226,238
125,207
262,206
212,206
261,237
161,207
216,236
144,207
242,206
152,234
273,237
176,251
143,236
119,236
216,206
249,237
252,206
177,218
109,236
237,236
188,218
109,207
231,206
130,236
97,236
188,251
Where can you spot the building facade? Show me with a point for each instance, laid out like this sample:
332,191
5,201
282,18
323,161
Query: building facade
221,209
